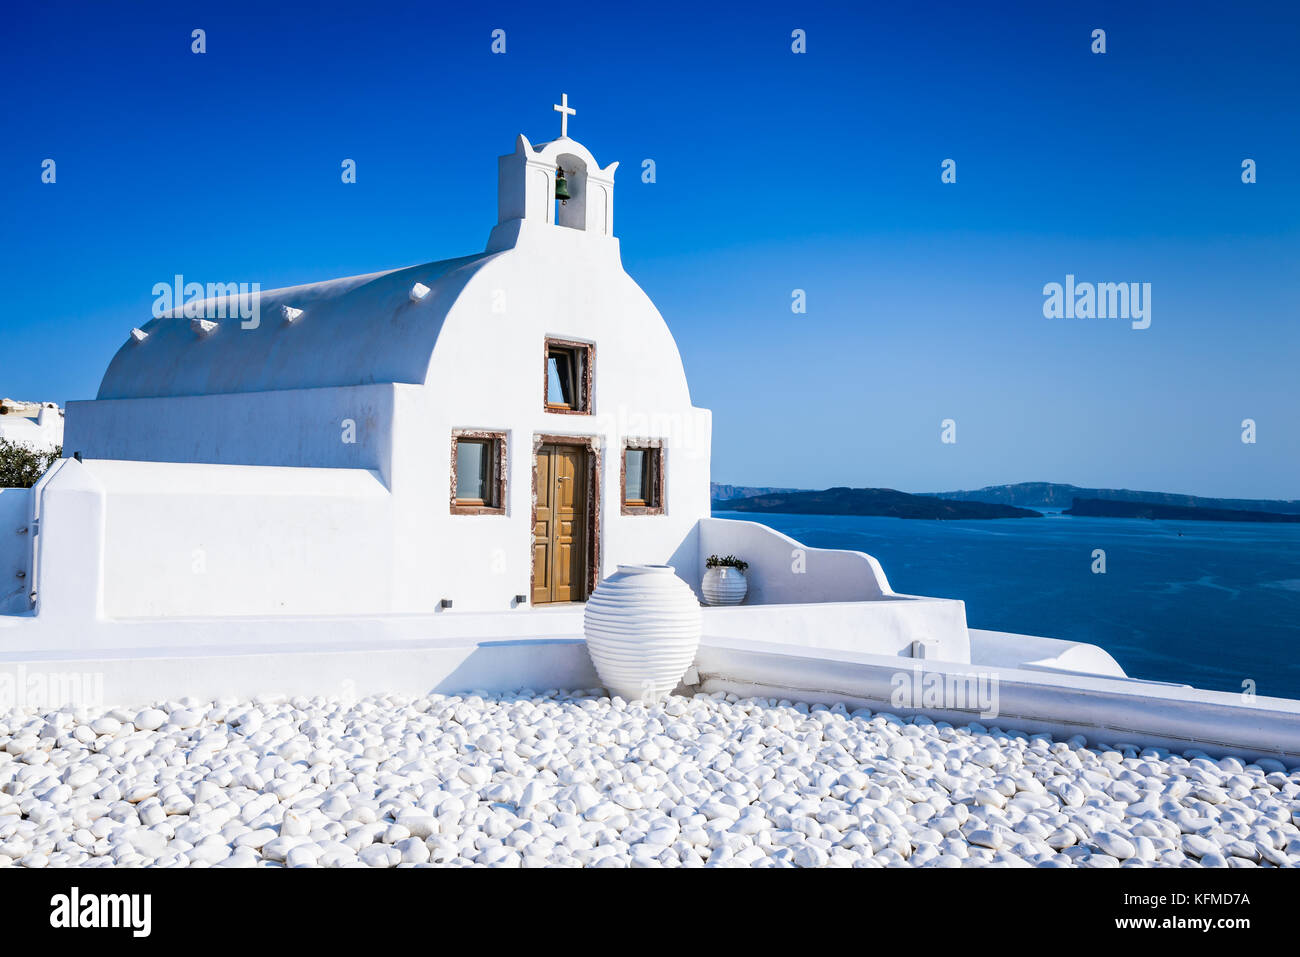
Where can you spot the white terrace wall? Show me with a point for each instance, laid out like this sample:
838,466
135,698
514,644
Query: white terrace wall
826,598
130,539
889,626
15,550
784,571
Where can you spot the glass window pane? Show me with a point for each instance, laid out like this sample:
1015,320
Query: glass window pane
634,489
559,379
473,468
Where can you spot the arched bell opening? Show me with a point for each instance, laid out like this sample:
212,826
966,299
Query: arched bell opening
571,191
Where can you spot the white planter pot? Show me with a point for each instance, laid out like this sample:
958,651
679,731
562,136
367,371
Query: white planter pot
724,585
643,629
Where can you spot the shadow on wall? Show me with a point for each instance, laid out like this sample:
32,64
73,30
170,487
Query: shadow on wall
539,665
686,560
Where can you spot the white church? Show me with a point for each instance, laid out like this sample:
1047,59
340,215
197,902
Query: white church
412,480
475,434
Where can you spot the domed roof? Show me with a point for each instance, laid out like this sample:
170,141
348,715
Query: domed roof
354,331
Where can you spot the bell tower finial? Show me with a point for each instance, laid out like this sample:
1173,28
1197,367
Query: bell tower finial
565,112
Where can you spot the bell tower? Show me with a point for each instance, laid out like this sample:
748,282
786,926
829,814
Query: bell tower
555,185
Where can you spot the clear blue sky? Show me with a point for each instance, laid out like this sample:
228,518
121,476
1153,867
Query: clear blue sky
776,171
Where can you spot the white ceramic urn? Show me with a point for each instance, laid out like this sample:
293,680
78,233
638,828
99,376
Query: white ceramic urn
643,629
724,585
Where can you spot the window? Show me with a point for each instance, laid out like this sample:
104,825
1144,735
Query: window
568,376
478,477
643,478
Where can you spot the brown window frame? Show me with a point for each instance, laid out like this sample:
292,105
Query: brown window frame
498,478
657,477
585,381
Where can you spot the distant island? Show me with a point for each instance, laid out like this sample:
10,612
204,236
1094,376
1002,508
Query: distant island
1053,495
1100,508
725,493
1003,501
869,501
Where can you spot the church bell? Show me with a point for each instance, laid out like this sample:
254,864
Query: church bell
561,186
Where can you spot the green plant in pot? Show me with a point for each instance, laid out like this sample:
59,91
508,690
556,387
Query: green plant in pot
724,580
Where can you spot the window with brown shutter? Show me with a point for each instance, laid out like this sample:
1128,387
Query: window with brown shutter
478,472
643,478
568,376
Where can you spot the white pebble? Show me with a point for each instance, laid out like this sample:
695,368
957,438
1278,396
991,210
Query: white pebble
574,779
150,719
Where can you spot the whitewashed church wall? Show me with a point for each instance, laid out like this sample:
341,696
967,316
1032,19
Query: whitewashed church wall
671,538
487,373
339,427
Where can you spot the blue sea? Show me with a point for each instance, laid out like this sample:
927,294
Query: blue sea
1211,604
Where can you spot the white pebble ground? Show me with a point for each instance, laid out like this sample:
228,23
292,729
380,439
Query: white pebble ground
577,779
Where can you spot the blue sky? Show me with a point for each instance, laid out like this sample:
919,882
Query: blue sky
775,171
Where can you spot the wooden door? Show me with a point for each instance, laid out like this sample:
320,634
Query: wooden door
560,529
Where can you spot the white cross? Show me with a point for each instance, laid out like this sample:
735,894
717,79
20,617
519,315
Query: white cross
565,112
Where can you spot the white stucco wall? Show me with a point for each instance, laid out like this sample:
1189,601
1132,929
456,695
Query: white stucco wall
887,626
304,428
69,504
487,374
142,540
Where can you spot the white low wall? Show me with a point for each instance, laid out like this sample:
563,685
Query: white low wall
1103,709
886,626
15,550
784,571
1006,650
825,598
414,668
148,539
30,637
